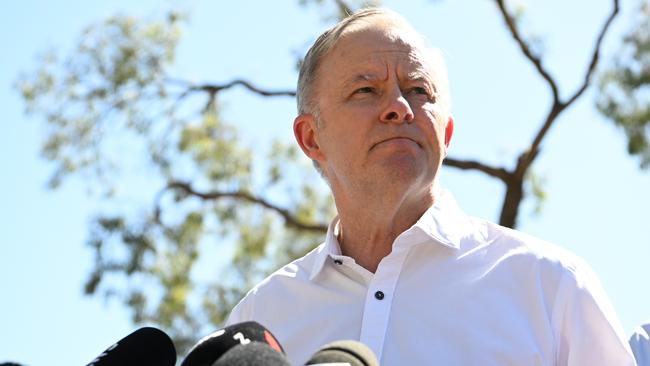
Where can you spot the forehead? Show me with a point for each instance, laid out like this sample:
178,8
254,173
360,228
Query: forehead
372,52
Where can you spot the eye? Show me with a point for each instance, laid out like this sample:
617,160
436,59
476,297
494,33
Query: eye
422,91
365,90
419,90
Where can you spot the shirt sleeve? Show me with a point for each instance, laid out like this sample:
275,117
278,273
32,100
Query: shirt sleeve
587,330
640,344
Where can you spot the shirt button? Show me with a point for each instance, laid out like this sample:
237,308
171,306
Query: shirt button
379,295
338,261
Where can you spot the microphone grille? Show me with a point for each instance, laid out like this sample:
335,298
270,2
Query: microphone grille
252,354
346,352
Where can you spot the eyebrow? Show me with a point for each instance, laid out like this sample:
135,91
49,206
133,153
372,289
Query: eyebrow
359,78
421,75
417,75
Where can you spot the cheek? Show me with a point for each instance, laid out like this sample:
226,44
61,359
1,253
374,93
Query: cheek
340,138
352,125
434,127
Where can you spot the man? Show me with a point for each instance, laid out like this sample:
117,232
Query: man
402,268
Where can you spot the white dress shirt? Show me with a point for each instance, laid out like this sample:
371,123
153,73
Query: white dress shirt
640,343
454,290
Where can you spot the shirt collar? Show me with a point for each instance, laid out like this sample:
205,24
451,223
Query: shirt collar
329,248
443,223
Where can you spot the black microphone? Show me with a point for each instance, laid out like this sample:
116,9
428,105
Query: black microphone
212,347
350,353
252,354
146,346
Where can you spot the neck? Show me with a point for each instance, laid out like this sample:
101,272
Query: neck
370,226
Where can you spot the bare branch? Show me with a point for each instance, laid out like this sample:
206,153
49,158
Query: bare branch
500,173
215,88
559,106
289,219
530,154
254,89
212,89
596,54
525,48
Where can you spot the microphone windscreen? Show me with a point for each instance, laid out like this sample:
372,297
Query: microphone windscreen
349,352
252,354
146,346
212,347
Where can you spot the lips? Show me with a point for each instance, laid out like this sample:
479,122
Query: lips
396,138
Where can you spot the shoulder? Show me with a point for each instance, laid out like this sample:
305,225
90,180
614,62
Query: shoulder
574,296
556,269
495,242
517,244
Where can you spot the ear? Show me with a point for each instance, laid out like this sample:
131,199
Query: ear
449,130
305,129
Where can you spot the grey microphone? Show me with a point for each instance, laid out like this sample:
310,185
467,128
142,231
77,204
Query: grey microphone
344,353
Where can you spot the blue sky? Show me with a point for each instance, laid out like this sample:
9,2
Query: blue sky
597,197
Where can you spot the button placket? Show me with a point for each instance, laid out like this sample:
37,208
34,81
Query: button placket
379,298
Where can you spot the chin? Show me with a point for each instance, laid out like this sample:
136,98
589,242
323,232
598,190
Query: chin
404,171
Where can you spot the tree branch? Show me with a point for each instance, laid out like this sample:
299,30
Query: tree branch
537,62
215,88
212,89
499,173
559,106
289,219
596,54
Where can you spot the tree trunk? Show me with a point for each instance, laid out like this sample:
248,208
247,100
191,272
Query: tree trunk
512,201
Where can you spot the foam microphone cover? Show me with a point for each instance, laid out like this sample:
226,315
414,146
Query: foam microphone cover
212,347
146,346
346,352
252,354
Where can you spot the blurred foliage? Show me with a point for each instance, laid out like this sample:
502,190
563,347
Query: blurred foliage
117,69
624,93
111,109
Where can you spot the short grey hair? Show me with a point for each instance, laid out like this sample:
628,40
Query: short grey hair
308,74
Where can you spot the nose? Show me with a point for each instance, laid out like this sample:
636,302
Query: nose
398,110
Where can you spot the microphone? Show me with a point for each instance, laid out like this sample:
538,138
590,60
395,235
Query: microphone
344,353
215,345
145,346
252,354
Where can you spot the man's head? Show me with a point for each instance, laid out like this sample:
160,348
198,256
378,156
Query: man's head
308,76
374,105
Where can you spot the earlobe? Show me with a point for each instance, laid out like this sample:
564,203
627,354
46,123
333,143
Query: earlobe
304,130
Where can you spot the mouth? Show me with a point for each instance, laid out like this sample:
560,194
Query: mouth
397,139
